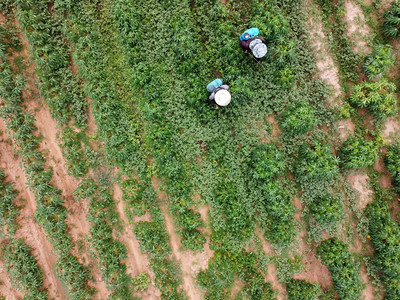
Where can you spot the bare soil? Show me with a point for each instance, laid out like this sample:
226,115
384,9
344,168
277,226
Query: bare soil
391,129
6,289
30,231
327,70
369,291
137,262
359,182
190,262
346,129
271,276
357,28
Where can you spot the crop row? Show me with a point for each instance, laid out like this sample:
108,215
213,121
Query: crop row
117,129
50,214
102,215
344,269
21,265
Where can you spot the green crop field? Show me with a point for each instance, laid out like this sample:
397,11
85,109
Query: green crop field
120,180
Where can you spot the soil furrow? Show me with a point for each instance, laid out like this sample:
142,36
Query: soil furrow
30,230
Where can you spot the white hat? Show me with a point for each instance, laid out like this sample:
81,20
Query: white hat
222,97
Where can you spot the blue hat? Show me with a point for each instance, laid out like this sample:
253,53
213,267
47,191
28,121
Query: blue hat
249,33
214,84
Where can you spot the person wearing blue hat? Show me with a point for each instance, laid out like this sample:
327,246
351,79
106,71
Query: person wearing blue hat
251,41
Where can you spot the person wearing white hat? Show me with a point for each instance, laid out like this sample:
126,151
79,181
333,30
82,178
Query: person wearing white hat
251,41
219,93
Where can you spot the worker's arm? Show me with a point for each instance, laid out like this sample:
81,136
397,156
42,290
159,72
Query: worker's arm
224,86
212,96
261,38
244,45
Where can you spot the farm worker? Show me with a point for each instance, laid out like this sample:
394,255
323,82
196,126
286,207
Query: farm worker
250,41
219,93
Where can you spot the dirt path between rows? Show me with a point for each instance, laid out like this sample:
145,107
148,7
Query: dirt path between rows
313,269
190,262
271,276
327,70
6,289
30,231
48,130
358,30
137,262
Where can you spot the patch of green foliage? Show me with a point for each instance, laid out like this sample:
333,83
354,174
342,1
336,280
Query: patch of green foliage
224,268
316,165
392,161
391,24
377,96
333,12
303,290
8,208
377,63
298,118
344,269
23,269
141,282
275,208
359,153
385,232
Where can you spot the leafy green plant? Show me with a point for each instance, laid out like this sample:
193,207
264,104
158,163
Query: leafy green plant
299,118
392,161
391,23
317,164
327,209
358,153
345,271
141,282
303,290
377,96
377,63
385,232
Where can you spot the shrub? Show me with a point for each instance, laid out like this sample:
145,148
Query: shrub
379,61
358,153
385,233
327,209
378,97
391,23
303,290
345,271
267,162
316,164
141,282
298,118
393,164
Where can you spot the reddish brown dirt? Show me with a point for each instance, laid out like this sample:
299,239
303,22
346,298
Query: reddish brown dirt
368,292
6,290
346,129
357,28
30,230
327,70
190,262
385,180
391,131
136,262
276,131
48,129
271,276
359,182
